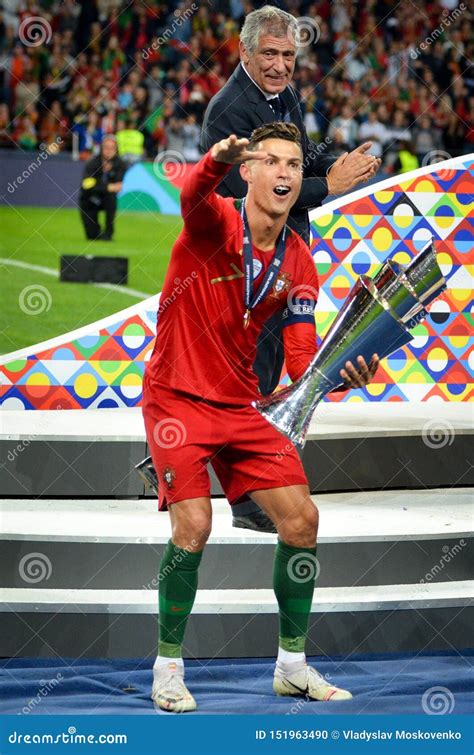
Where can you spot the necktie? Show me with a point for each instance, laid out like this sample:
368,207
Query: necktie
276,106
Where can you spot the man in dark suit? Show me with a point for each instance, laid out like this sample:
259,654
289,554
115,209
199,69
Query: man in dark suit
259,91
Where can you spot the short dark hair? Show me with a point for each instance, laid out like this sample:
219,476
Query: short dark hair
275,130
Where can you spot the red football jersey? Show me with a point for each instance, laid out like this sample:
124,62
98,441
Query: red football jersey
202,346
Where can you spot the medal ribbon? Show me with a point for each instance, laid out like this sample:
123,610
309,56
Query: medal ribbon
250,300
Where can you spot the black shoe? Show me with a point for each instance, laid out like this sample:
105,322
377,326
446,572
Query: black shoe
147,472
257,521
104,236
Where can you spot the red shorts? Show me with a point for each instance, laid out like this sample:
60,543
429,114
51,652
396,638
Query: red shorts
185,433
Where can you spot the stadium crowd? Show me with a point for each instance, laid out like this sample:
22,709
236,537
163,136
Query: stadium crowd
397,73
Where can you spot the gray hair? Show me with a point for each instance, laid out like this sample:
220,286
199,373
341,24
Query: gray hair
267,19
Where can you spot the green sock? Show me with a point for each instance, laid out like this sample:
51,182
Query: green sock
178,584
294,576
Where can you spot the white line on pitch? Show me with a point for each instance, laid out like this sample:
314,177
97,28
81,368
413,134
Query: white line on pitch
54,273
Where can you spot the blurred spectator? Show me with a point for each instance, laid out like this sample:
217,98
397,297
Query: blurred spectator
406,158
426,139
374,131
346,126
130,142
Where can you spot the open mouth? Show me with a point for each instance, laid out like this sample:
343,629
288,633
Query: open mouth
281,190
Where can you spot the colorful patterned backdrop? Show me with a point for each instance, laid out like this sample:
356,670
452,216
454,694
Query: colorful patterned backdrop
102,365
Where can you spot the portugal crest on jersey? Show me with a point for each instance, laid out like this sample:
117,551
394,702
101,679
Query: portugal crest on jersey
282,283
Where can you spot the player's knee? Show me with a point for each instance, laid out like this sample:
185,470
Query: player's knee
193,531
301,529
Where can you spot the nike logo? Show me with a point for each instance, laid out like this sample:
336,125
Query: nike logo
238,274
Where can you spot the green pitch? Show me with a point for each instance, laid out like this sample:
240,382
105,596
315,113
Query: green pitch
39,236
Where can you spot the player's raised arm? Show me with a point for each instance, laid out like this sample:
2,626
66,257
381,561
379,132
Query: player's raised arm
201,207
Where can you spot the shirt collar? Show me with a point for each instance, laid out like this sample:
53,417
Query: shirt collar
267,96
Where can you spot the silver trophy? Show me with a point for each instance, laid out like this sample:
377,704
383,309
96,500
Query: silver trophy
376,318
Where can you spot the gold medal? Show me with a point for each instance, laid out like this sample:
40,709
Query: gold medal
247,318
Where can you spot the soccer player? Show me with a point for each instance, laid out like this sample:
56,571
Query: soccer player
242,263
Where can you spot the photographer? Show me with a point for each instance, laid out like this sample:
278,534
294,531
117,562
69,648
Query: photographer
100,185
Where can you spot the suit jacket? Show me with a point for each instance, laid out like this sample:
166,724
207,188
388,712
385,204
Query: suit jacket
239,108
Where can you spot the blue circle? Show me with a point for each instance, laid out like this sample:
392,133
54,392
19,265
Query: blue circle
361,263
456,388
397,360
342,239
64,354
108,403
444,211
88,341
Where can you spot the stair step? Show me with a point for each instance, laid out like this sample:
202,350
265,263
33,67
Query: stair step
326,600
331,420
344,517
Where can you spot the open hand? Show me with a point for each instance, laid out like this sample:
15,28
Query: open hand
352,168
234,151
357,378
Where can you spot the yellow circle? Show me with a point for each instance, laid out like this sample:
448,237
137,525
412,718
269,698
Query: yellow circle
382,239
416,376
443,221
444,259
383,196
39,378
458,342
363,220
461,294
375,389
131,379
355,399
402,258
403,216
425,185
438,354
323,220
340,281
85,385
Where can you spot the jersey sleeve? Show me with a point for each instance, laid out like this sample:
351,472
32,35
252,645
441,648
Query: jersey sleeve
202,208
299,329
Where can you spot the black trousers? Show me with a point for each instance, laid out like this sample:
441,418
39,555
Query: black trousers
90,209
